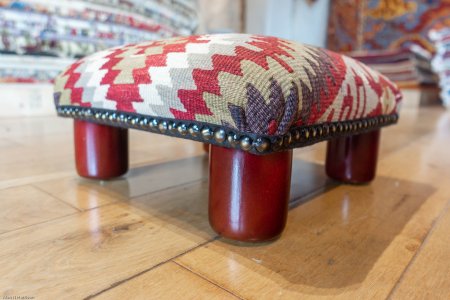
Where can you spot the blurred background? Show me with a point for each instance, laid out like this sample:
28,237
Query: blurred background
408,41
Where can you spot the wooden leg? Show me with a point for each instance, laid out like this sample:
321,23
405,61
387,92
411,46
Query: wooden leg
353,159
206,147
248,194
101,151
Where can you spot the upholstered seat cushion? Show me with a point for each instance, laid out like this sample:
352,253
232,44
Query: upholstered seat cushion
258,93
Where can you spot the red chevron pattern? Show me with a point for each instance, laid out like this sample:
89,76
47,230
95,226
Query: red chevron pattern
256,84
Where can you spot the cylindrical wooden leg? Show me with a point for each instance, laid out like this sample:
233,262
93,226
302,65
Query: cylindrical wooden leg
100,151
353,159
248,194
206,147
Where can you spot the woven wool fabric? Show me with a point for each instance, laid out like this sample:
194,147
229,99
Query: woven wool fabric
249,83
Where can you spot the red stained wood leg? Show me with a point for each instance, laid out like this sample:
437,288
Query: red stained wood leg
206,147
101,151
248,194
353,159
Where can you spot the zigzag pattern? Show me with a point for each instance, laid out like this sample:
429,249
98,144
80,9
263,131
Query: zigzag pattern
214,79
243,47
167,83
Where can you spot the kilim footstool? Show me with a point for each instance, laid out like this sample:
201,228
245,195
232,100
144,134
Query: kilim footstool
253,98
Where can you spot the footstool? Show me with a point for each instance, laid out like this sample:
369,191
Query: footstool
253,98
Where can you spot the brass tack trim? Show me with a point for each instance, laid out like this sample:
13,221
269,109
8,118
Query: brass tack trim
233,140
206,133
194,130
306,133
287,139
220,135
295,137
163,126
261,145
182,129
246,143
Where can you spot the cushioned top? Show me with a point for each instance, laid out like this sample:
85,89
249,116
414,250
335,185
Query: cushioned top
259,93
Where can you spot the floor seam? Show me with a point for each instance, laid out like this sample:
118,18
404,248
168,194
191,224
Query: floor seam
170,187
38,180
57,218
117,283
39,223
208,280
422,245
55,197
136,198
160,161
298,201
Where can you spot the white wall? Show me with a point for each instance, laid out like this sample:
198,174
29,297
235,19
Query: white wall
26,99
256,16
291,19
311,22
219,16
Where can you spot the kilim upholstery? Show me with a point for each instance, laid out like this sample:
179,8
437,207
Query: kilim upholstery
256,93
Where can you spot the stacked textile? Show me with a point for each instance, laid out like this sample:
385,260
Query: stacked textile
392,36
441,61
356,25
406,67
58,31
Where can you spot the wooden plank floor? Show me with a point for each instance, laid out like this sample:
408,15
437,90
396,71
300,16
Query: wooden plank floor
146,235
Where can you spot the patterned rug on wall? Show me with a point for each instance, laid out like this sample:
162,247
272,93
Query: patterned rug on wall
391,36
384,24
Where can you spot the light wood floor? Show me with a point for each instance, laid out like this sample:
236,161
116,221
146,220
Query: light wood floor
146,236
